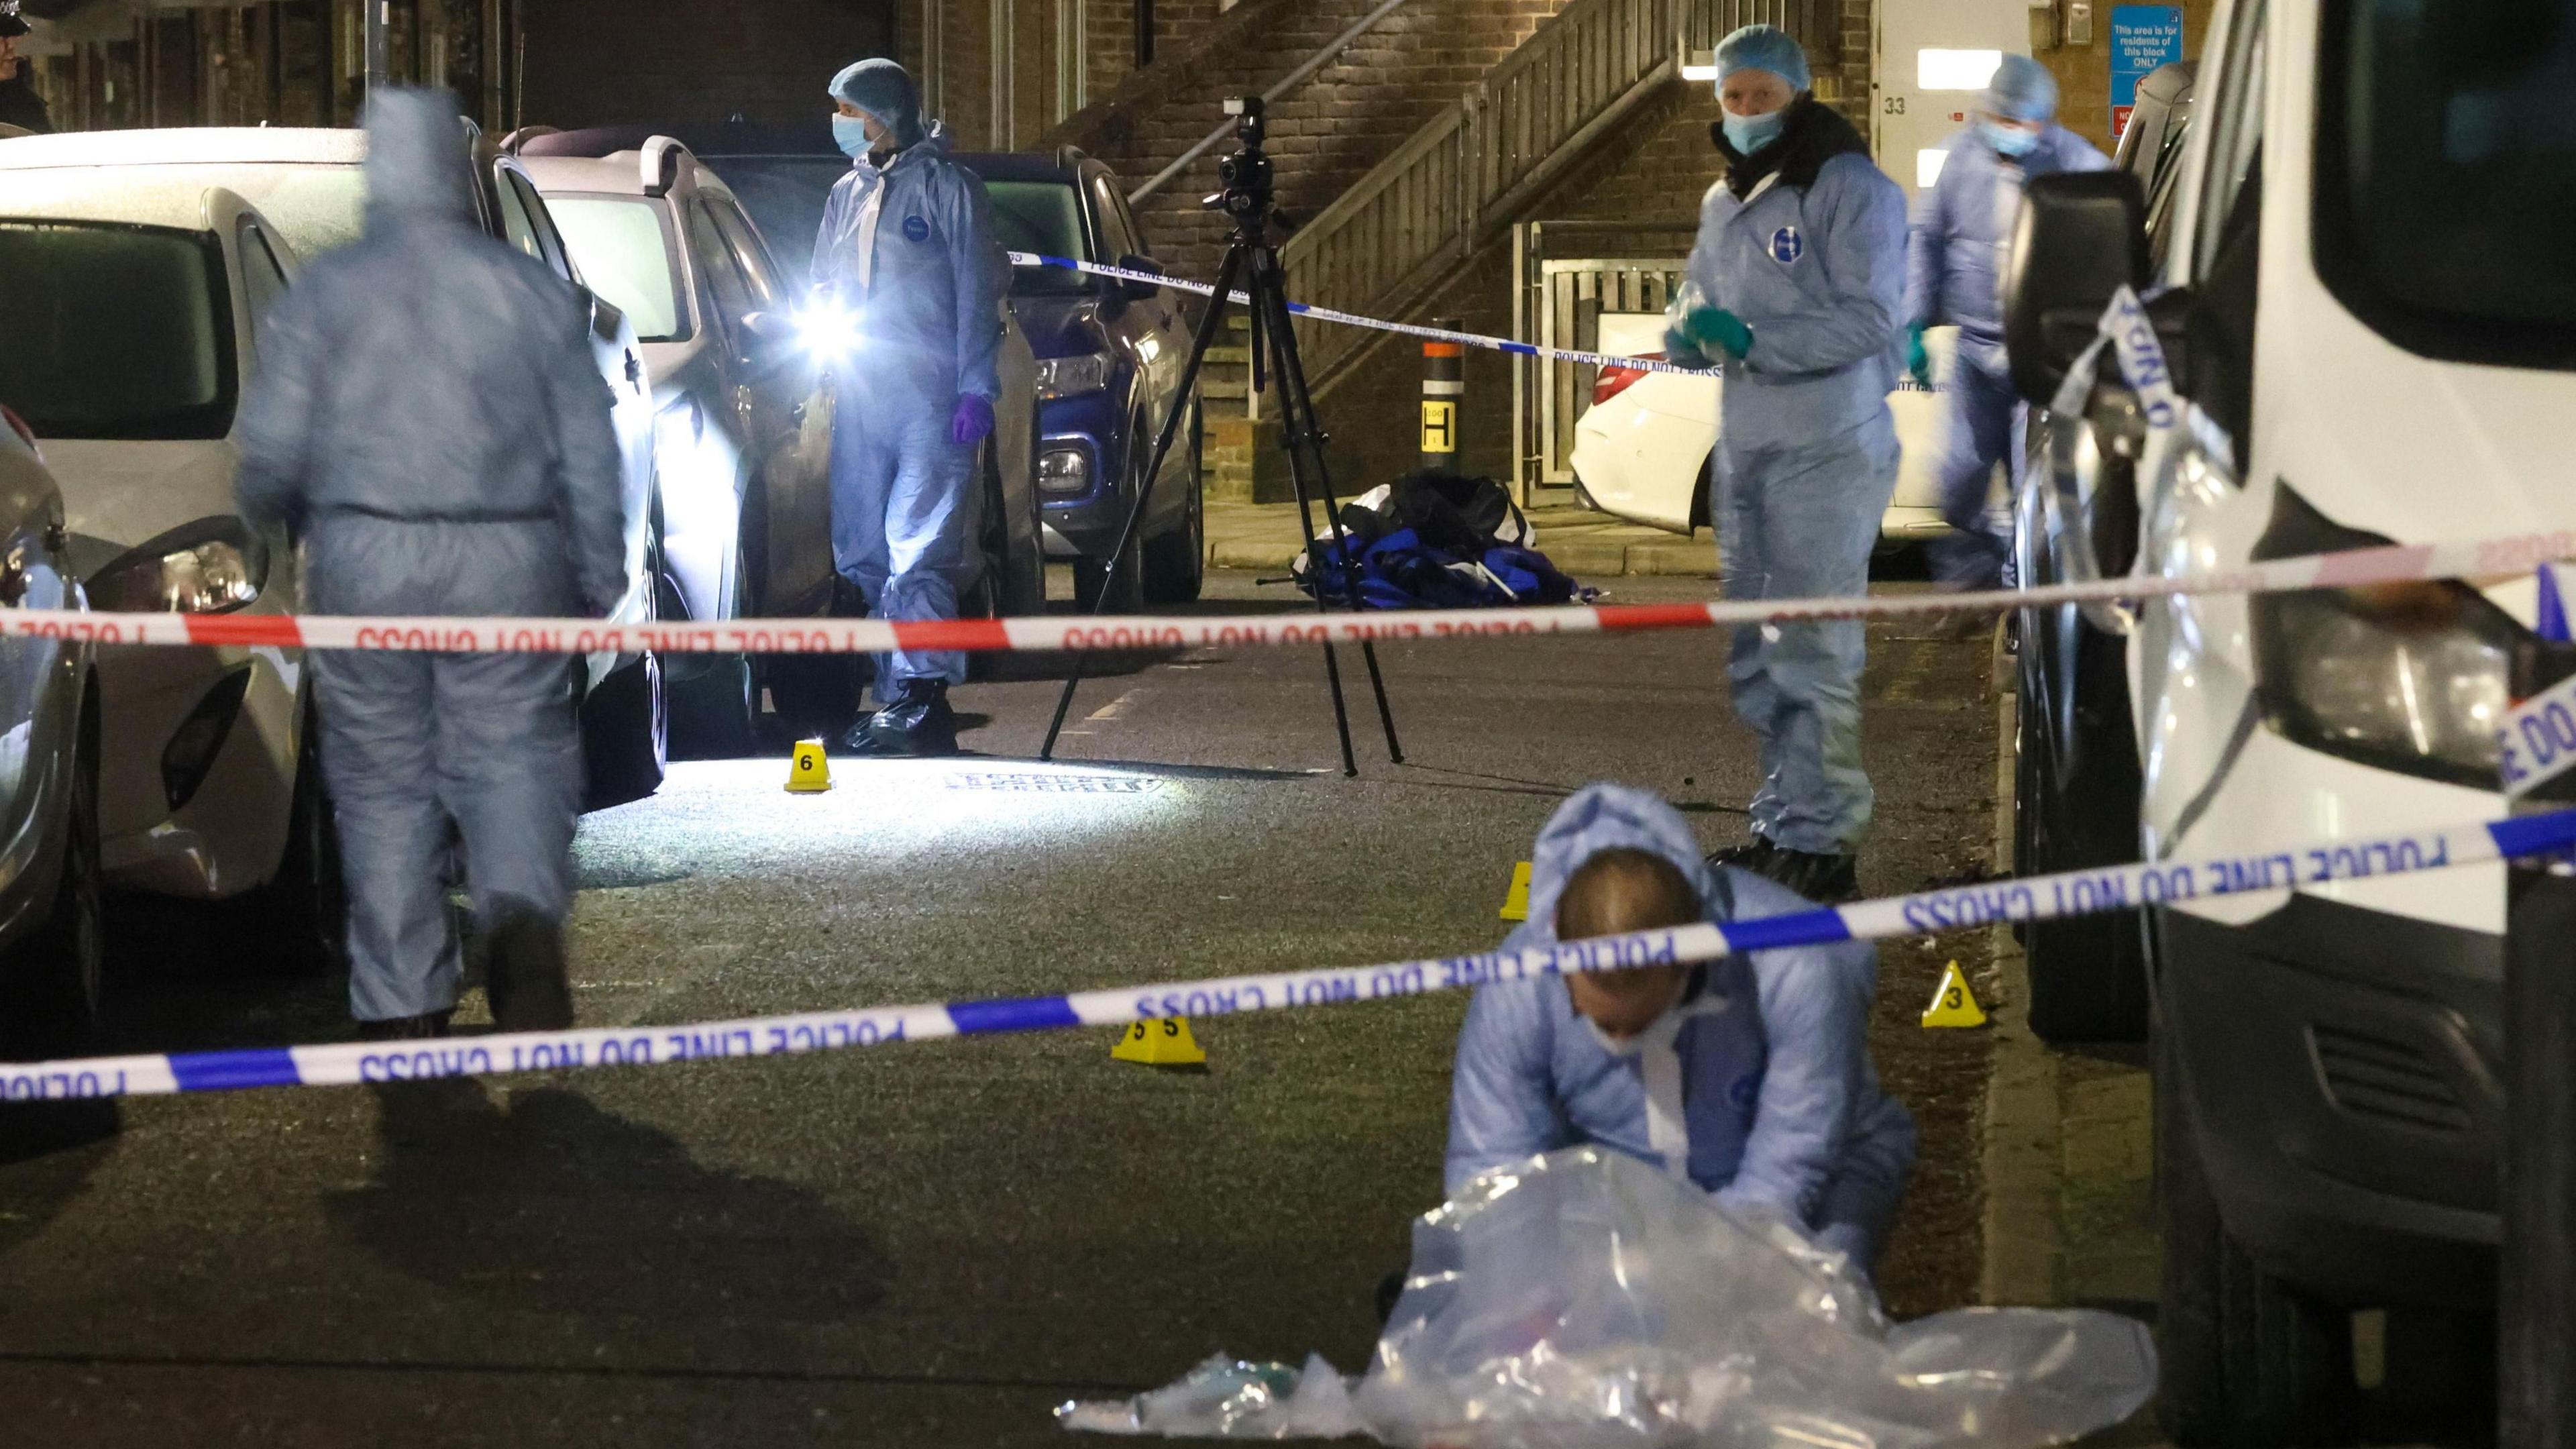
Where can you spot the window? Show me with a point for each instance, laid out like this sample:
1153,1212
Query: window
2446,176
1043,217
785,194
1117,243
115,331
748,254
723,279
1955,70
623,248
517,228
1136,237
541,222
2235,115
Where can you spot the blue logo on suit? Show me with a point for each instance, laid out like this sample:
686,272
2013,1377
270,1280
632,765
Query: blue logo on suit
1787,246
915,229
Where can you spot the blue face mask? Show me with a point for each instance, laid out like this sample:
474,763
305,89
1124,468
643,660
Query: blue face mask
850,133
2006,141
1748,134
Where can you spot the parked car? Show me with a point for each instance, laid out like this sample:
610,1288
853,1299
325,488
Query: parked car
1109,372
52,968
2075,804
1642,449
2370,322
210,788
746,415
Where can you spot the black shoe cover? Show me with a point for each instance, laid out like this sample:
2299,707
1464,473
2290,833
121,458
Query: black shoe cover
424,1027
1828,880
1753,855
919,723
528,985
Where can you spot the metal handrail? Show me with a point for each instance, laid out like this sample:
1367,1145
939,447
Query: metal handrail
1285,84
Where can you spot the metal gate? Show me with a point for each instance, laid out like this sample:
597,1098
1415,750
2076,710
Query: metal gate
1558,301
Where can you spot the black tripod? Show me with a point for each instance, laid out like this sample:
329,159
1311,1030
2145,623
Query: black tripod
1252,261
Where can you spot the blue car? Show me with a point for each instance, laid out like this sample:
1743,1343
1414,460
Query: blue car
1109,372
1109,353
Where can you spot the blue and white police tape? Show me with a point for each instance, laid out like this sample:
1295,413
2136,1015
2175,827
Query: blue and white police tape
2072,893
1378,324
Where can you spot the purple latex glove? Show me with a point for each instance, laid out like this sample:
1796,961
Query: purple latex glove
972,421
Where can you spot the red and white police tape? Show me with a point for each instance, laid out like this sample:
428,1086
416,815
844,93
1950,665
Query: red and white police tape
2072,893
2479,559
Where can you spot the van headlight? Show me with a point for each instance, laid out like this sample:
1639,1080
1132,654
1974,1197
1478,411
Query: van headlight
211,566
1072,376
2411,677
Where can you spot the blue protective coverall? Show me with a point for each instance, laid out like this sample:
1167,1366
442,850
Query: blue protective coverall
1805,241
908,250
1758,1085
1954,269
429,417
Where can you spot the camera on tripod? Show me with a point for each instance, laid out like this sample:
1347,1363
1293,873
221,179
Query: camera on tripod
1246,170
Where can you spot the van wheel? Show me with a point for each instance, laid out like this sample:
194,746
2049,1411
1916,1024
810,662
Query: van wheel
2076,788
2247,1359
53,982
625,735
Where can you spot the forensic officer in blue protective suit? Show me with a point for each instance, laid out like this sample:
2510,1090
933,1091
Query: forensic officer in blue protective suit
1750,1076
429,419
1793,289
1954,269
907,254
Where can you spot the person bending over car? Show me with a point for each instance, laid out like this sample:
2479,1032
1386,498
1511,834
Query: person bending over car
429,419
907,255
1750,1075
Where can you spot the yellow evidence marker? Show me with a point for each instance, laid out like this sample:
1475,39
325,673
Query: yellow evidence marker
1953,1004
810,772
1516,900
1163,1042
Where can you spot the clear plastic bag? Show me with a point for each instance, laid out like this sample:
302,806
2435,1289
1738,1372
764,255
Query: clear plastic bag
1585,1298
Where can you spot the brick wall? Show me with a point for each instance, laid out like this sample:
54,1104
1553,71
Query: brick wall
598,61
2084,72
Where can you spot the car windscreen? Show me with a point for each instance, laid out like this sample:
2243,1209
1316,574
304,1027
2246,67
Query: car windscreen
115,331
623,247
2446,174
785,196
1043,217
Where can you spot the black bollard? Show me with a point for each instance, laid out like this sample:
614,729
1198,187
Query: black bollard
1444,392
2536,1267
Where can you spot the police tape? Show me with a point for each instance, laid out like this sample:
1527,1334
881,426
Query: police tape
1380,324
2072,893
2387,564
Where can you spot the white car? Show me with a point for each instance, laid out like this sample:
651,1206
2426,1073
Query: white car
155,268
1641,451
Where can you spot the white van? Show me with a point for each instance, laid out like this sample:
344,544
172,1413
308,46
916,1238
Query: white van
2373,307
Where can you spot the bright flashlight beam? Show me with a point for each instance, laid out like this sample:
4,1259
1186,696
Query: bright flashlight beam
827,330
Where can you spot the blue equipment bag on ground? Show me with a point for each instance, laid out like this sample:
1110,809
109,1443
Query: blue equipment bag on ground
1435,540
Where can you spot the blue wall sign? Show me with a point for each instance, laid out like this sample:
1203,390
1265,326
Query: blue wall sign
2143,37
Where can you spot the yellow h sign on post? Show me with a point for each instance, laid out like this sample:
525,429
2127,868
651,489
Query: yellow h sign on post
1439,425
810,772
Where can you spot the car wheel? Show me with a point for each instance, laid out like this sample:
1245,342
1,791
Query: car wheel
2246,1359
625,735
2075,807
53,982
715,712
1019,590
309,896
1176,560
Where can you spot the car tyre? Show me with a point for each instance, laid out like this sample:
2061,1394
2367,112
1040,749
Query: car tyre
1176,559
2246,1358
53,982
625,735
2088,974
309,895
715,713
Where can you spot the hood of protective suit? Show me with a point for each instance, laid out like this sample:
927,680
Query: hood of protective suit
1609,817
885,91
418,168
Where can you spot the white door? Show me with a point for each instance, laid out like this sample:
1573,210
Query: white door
1933,57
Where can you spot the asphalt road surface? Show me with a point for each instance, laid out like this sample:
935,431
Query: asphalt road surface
932,1243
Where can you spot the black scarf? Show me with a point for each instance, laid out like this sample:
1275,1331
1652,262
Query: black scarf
1813,135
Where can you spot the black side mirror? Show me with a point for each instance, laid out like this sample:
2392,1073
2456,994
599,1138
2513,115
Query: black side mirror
2081,236
776,328
1134,288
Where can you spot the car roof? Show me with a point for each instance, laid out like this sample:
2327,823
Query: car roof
1018,166
182,145
616,172
95,196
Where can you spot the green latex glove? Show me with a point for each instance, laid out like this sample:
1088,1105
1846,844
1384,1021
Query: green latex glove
1917,360
1719,328
1680,351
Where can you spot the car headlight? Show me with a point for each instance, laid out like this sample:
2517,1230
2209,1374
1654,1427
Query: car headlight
211,566
2410,677
1064,470
1072,376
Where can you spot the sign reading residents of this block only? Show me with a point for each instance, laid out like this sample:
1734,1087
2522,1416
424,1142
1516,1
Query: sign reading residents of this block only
2143,37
